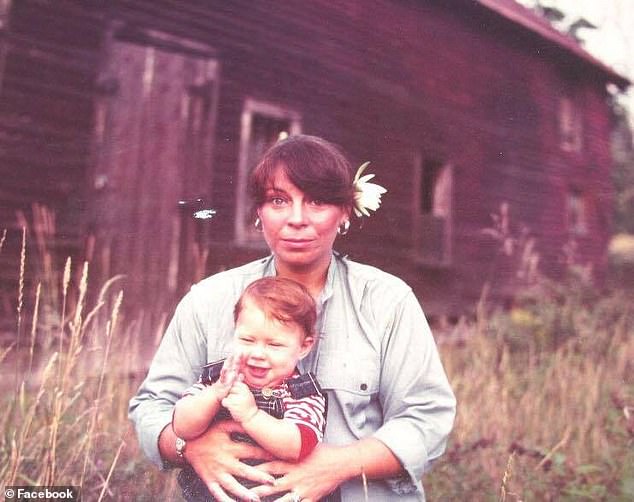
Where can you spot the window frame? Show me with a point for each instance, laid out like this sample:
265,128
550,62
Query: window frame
245,235
577,213
570,124
445,171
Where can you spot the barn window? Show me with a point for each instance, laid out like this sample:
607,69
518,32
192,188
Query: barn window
262,125
433,211
570,125
577,213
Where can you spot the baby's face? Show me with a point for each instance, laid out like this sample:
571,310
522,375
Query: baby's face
272,348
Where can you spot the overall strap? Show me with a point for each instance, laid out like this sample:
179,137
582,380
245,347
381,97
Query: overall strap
211,372
303,386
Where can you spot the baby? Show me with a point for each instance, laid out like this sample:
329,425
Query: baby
281,410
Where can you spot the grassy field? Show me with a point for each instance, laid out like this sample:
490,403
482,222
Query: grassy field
545,393
545,402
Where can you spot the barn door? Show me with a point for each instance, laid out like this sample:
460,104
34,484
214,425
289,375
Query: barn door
153,148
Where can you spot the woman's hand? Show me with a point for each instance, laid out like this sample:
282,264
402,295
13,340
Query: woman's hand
215,458
313,478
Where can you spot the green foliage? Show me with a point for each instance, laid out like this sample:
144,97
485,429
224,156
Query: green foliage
623,170
551,381
553,314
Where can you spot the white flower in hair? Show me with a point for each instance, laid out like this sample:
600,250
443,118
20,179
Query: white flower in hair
366,195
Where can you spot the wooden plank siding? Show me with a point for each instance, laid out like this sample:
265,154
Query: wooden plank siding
395,82
46,105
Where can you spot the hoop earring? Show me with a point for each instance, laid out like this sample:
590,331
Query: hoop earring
258,225
344,227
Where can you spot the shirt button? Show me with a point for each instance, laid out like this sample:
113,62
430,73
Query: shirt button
364,386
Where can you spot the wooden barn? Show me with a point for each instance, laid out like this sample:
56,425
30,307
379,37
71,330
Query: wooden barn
119,115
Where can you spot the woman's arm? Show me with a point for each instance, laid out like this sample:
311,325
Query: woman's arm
330,466
416,399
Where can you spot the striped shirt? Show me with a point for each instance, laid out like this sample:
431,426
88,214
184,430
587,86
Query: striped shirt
308,413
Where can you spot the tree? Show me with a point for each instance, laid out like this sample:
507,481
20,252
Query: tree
623,156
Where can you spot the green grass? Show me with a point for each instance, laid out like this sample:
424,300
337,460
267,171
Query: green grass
545,402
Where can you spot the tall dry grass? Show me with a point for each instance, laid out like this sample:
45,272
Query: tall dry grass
565,414
545,394
67,376
545,391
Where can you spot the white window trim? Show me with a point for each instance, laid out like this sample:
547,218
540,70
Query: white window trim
570,125
243,235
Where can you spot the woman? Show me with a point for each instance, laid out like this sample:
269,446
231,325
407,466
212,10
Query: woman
390,405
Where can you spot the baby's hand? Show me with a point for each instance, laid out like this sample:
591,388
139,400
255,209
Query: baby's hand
229,374
231,369
240,402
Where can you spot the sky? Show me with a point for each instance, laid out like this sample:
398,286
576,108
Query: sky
613,40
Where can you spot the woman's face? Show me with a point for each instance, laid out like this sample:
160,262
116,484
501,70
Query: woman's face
299,231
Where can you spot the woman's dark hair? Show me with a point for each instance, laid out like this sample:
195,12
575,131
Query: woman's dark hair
315,166
283,299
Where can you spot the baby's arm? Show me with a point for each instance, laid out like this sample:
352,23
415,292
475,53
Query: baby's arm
193,413
281,438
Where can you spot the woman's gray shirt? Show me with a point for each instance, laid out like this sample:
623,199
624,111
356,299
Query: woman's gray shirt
375,357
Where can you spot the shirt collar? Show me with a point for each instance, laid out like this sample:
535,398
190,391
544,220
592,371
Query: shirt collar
326,293
269,266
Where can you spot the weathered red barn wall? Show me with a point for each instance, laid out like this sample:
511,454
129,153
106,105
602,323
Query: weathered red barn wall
46,105
390,81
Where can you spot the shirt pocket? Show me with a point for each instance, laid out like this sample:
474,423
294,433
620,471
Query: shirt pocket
355,382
